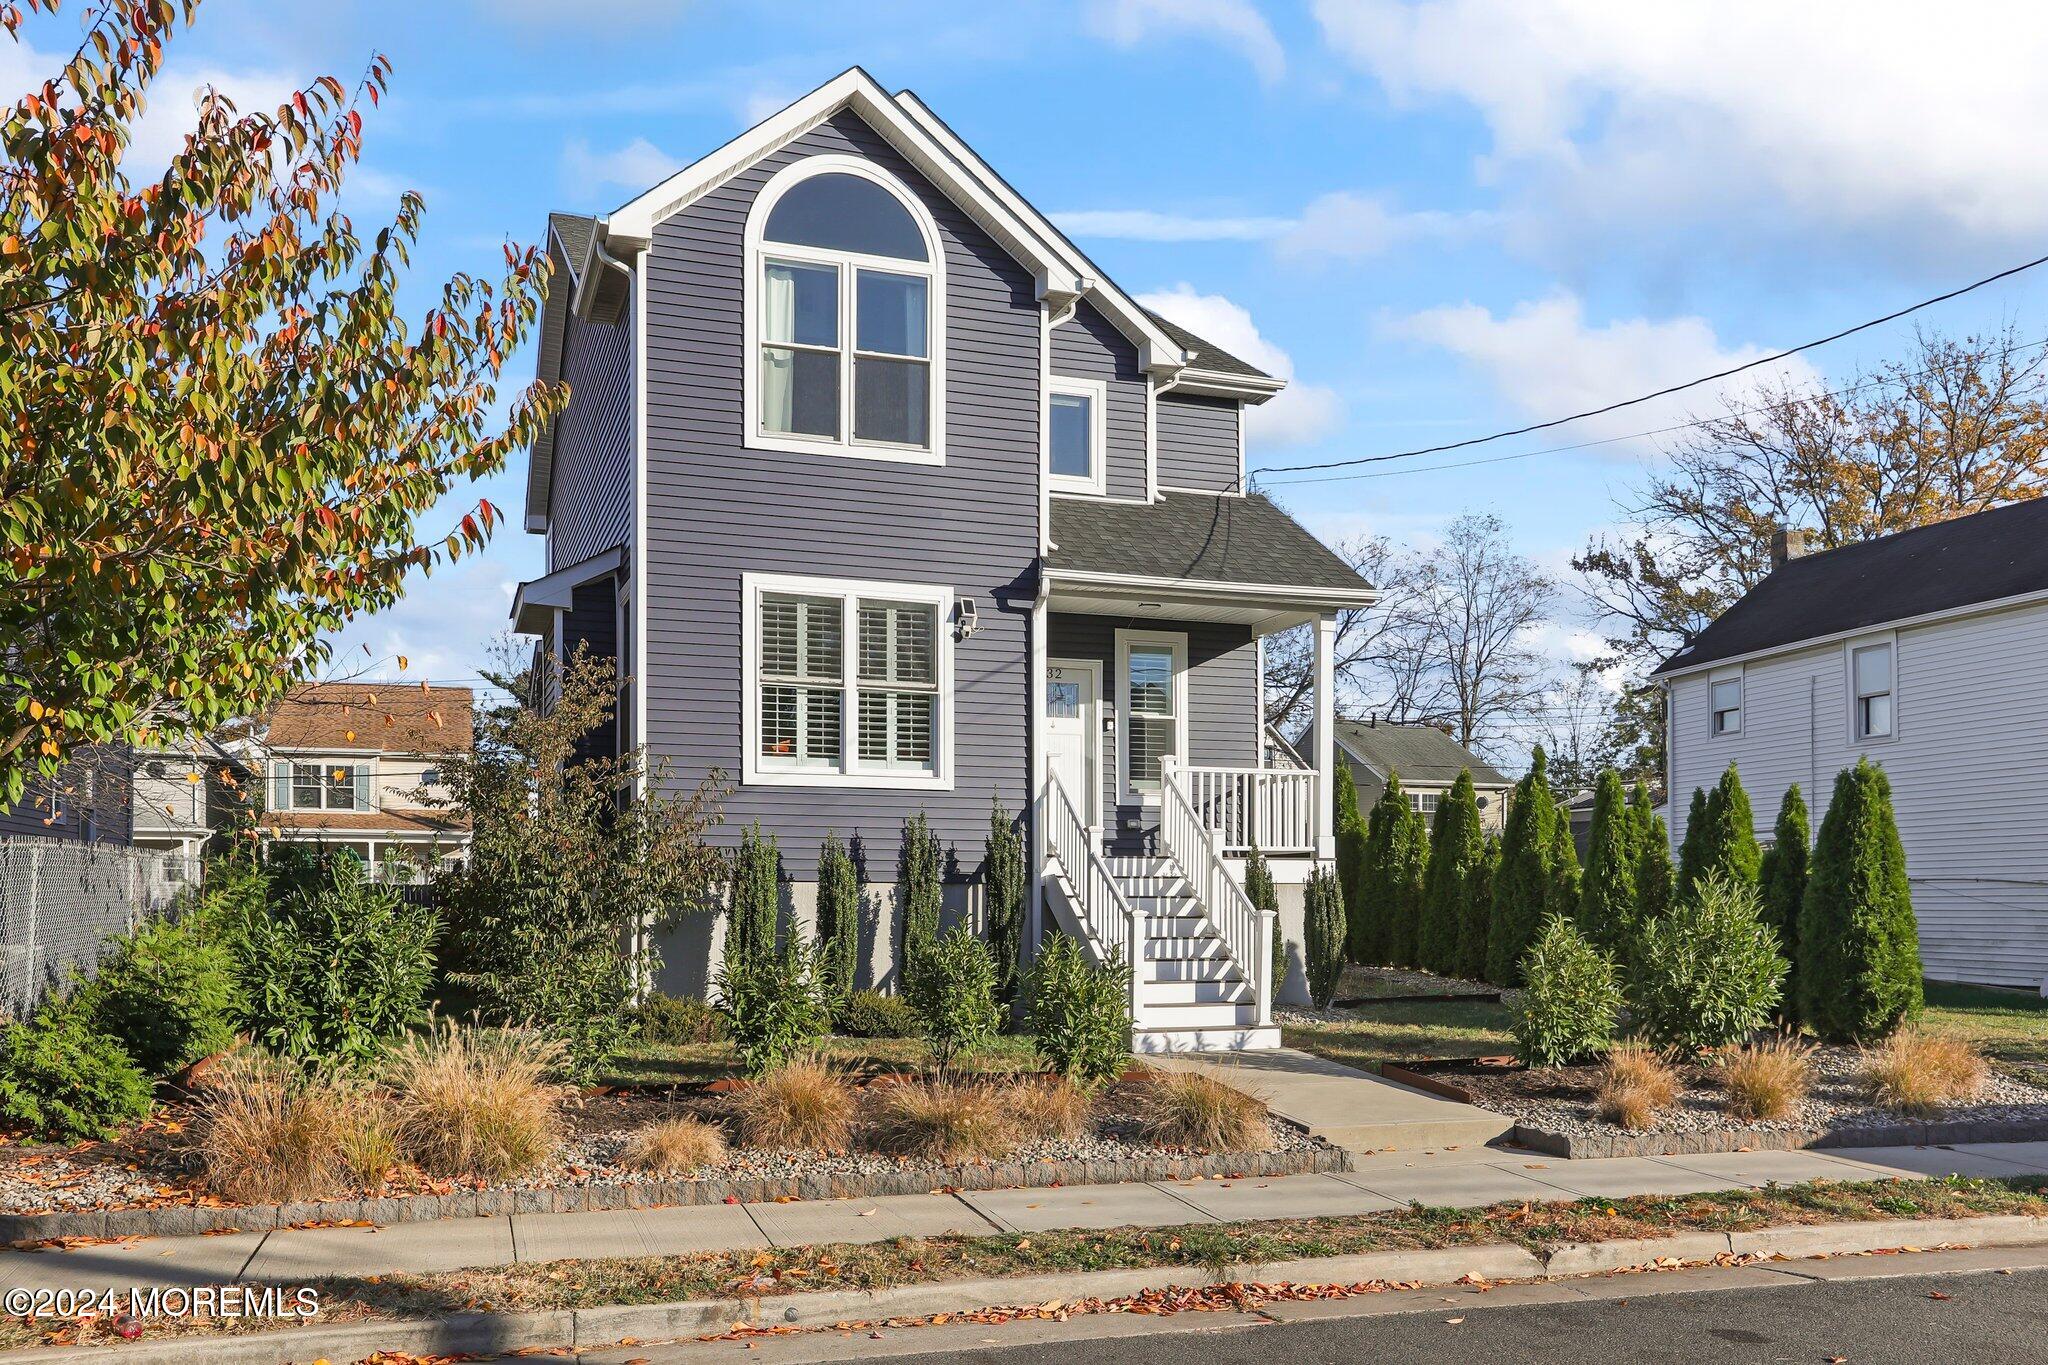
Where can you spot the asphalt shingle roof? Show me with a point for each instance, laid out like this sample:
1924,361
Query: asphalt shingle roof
1979,558
1208,537
1419,753
574,229
1208,355
394,718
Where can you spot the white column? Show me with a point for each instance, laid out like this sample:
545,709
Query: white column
1326,735
1034,800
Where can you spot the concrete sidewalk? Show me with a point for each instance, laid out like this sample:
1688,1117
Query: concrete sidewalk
1465,1178
1342,1105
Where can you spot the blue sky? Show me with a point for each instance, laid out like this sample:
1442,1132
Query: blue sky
1440,218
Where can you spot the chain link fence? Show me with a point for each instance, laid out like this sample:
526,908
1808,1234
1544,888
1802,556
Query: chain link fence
59,901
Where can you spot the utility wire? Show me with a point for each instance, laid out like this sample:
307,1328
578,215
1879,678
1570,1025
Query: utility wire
1674,388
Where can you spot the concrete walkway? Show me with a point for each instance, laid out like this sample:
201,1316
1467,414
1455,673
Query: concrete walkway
1344,1106
1465,1178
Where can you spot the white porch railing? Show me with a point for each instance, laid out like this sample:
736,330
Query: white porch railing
1098,900
1271,808
1245,930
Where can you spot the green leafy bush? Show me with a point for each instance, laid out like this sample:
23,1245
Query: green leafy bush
1570,998
954,993
839,896
920,885
65,1080
1004,885
1709,972
1859,947
1080,1012
678,1019
1322,934
775,1006
871,1014
334,970
167,992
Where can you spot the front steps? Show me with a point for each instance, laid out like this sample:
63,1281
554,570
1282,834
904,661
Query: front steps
1194,996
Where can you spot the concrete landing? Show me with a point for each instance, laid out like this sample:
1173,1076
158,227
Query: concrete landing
1343,1106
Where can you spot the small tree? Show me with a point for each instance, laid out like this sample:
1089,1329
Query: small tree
1522,889
754,901
955,995
839,897
1260,891
1322,934
1455,848
1570,998
1607,893
922,893
1351,845
1475,939
1692,848
1728,840
1859,948
1783,884
1563,897
1390,881
1654,874
1080,1012
1003,891
1709,972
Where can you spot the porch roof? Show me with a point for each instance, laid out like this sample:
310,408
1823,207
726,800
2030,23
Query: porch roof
1199,539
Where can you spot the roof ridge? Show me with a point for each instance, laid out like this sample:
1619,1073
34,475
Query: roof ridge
1892,537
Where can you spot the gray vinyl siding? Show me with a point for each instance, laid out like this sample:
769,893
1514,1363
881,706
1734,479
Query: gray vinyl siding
1223,693
1198,443
592,623
1972,725
716,510
1089,347
591,509
92,792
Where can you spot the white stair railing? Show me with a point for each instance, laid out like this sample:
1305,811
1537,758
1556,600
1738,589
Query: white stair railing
1246,930
1269,808
1098,900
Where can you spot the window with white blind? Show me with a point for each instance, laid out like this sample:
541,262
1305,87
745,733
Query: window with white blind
849,683
1724,699
1152,677
302,785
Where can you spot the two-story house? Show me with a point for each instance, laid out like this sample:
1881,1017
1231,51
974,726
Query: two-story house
356,766
1927,653
185,793
888,500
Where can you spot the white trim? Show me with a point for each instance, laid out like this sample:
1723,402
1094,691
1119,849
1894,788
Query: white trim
1996,604
850,591
1246,388
1092,667
1347,597
932,270
1177,641
1151,437
1741,707
1034,692
1205,492
1045,545
636,567
1889,639
1097,394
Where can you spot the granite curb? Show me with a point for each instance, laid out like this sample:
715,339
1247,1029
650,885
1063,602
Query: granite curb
1589,1146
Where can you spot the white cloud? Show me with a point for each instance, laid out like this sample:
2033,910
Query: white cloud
1144,225
1301,413
637,166
1350,226
1845,112
1234,24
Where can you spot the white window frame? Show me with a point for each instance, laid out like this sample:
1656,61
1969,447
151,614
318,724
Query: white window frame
1097,394
356,784
1177,641
933,269
1734,675
1890,642
850,772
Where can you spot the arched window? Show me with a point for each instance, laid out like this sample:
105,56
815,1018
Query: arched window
845,315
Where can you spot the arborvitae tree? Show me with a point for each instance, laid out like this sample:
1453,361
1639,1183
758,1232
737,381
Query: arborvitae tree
1260,891
1564,869
756,898
1728,843
1607,893
1783,884
1654,875
1455,848
1003,890
1859,948
1322,934
1382,916
839,896
1692,847
1351,837
1475,938
918,875
1407,868
1523,886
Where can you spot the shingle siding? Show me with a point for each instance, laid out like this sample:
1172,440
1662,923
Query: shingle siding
1972,723
1198,443
591,509
717,510
1088,346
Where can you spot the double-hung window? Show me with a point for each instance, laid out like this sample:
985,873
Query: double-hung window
849,683
1870,670
326,786
845,318
1725,697
1074,427
1153,701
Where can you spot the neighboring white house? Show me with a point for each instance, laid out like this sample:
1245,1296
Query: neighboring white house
1927,652
1428,762
185,792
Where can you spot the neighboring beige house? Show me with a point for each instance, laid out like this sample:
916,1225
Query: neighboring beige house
1428,761
353,765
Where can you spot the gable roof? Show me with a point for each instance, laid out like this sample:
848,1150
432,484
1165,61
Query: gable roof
391,718
1420,753
1202,537
1931,570
1206,355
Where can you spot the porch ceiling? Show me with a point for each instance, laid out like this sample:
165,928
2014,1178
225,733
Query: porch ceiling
1252,606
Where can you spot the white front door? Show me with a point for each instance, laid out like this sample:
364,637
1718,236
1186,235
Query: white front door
1071,713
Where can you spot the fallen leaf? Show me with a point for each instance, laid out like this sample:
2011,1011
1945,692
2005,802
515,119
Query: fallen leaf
1453,1322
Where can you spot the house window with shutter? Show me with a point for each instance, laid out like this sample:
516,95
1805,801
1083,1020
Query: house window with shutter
325,786
848,683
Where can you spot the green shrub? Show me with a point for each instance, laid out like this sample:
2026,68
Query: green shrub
1570,998
1709,972
167,992
1260,891
1396,859
1654,873
839,897
1322,934
336,969
754,904
871,1014
775,1005
1004,886
66,1081
1455,849
1475,938
1351,836
1607,893
919,871
1859,948
1080,1012
1783,885
1724,840
955,996
678,1019
1521,889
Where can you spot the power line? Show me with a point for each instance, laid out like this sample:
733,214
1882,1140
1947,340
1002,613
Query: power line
1674,388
